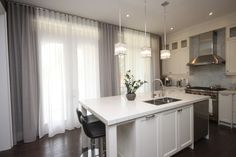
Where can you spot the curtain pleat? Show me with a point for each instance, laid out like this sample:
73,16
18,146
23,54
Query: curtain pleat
23,72
68,68
140,67
155,62
108,62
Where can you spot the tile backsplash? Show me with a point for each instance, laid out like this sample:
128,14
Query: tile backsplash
208,75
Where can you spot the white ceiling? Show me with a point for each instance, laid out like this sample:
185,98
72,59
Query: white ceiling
180,13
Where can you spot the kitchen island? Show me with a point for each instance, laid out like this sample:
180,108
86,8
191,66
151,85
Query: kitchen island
137,129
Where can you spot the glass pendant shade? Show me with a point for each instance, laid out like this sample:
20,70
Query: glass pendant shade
146,52
120,48
165,54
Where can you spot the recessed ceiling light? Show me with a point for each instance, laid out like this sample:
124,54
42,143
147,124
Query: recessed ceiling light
127,15
210,13
171,28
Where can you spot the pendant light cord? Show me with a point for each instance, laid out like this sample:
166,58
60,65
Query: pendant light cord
145,22
119,22
165,27
164,5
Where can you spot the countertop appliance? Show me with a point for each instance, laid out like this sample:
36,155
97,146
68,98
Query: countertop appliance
167,81
214,101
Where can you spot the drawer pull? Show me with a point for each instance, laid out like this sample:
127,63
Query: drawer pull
225,94
150,117
180,110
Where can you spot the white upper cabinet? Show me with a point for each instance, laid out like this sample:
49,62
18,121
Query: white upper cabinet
231,50
177,63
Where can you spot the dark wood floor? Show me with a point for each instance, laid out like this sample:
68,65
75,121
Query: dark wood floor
63,145
222,143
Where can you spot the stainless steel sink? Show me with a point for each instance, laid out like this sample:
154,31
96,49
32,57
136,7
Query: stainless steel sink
162,101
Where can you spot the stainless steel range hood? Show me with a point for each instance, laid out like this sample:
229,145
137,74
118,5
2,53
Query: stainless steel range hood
207,50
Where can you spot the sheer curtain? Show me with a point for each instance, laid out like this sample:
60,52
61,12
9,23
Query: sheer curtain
68,59
140,67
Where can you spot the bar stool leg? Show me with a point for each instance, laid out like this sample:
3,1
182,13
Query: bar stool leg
93,147
101,149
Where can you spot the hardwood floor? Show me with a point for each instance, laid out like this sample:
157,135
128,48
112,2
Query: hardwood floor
63,145
222,143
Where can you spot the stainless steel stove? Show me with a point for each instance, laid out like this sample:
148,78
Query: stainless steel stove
208,91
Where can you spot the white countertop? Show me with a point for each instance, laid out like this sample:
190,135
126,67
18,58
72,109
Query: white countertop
228,91
117,109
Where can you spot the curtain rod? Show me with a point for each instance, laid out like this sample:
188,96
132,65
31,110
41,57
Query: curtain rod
57,11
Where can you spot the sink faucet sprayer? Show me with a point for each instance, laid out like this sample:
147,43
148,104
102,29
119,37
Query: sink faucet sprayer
162,91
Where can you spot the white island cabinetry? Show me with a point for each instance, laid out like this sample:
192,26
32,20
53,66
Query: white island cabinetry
146,136
138,129
176,130
164,134
168,133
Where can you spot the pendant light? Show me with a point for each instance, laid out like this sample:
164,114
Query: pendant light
120,47
165,54
146,51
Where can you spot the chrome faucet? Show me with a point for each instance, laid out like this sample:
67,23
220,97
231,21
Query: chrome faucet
162,91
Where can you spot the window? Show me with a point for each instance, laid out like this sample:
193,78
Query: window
140,67
68,63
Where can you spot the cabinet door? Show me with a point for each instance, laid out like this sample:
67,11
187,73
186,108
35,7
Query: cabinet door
174,62
166,66
234,102
225,107
146,136
185,126
184,55
230,57
168,133
234,109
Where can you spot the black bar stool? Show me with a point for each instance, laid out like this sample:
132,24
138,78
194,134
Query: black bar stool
94,129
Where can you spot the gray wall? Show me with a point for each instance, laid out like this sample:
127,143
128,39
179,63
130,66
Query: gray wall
210,75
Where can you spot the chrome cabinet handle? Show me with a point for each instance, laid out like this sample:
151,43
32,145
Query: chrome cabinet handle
225,94
150,117
180,110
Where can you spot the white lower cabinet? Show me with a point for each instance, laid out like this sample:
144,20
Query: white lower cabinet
185,127
176,130
146,136
168,133
164,134
225,108
234,110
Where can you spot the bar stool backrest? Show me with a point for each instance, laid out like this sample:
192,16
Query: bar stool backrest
83,121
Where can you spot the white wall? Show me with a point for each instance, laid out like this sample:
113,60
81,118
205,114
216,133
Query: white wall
200,76
5,103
